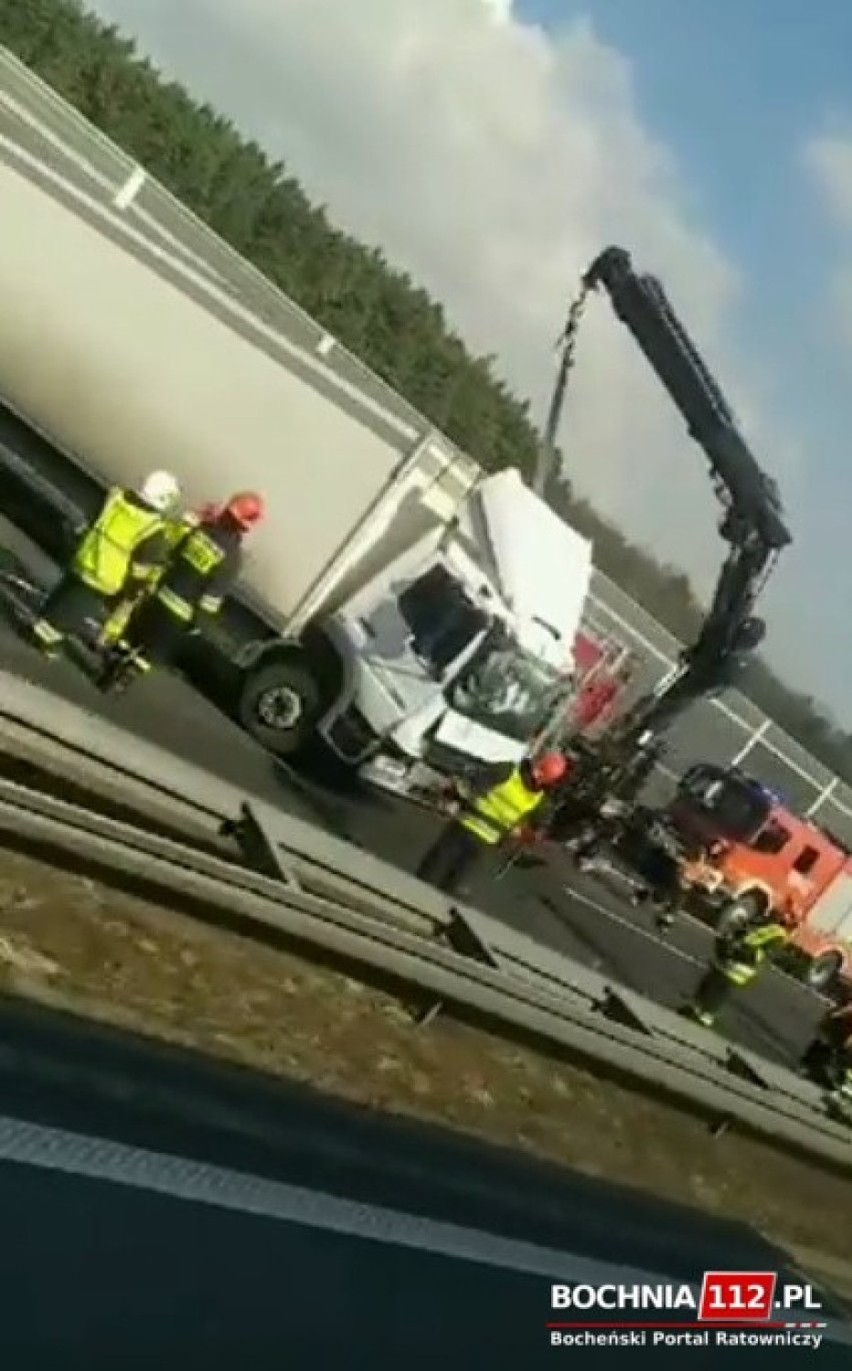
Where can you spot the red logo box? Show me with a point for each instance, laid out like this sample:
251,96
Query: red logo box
737,1296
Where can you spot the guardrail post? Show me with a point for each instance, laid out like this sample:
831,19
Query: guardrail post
126,194
741,1066
753,740
460,935
616,1007
256,846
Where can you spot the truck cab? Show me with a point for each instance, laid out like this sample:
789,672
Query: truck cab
459,650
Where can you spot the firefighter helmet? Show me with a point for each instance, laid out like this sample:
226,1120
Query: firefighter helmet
549,769
160,490
245,509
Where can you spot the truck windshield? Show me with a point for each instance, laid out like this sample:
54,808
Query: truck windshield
507,689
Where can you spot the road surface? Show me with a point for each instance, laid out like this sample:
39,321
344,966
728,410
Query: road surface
577,916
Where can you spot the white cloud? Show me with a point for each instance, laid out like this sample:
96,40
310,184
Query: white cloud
492,160
828,160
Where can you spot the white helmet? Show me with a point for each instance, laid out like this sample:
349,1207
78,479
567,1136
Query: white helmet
160,490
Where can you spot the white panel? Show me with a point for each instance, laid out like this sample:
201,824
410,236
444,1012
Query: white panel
466,736
832,913
545,565
115,362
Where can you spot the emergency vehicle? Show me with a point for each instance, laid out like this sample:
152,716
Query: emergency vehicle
744,852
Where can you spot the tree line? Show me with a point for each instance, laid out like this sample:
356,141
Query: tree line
379,313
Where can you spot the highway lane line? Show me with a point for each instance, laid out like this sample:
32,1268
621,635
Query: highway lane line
198,1182
669,947
624,922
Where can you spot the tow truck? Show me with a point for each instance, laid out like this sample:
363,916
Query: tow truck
600,808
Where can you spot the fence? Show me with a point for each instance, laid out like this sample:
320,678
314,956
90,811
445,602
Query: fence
39,120
731,729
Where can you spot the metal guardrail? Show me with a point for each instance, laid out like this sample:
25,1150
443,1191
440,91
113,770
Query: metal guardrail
237,858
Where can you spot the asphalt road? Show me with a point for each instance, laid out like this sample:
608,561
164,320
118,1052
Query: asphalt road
577,916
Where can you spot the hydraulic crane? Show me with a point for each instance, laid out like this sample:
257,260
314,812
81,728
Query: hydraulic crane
609,774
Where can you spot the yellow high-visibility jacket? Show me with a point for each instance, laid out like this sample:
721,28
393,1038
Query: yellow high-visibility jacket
173,532
746,954
124,543
497,813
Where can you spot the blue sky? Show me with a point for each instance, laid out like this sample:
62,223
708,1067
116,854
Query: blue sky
735,88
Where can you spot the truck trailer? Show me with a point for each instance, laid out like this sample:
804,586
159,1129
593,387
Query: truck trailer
409,609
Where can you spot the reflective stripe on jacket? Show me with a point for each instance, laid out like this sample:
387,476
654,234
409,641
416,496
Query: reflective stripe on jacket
200,571
176,530
496,813
748,952
104,556
175,604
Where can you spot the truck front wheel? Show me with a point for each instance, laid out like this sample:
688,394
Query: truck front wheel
279,706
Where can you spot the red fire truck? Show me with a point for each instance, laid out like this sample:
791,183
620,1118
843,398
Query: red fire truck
744,851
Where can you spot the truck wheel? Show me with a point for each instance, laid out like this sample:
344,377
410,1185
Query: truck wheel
822,971
279,706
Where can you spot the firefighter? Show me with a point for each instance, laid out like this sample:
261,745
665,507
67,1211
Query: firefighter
122,550
485,818
200,572
828,1057
174,531
739,956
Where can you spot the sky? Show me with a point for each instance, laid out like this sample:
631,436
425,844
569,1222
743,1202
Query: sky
492,147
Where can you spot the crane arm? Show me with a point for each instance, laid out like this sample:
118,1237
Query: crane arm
640,302
752,521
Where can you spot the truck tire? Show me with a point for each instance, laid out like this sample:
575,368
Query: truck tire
823,971
279,706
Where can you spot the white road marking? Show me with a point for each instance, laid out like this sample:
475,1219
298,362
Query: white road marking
634,927
669,947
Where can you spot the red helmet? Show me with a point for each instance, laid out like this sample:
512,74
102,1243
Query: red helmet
245,509
549,769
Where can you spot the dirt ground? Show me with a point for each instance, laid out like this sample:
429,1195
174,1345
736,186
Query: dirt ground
121,959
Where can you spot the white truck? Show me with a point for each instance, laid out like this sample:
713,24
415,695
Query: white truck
397,601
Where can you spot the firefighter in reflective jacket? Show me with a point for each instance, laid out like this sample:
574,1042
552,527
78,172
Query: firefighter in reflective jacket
174,532
201,571
739,958
123,549
486,819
